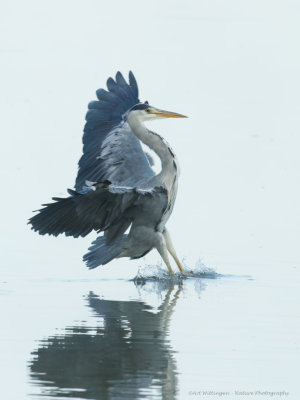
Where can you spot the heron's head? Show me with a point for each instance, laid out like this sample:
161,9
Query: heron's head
145,112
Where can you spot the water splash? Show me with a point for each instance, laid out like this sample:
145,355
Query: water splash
200,270
158,273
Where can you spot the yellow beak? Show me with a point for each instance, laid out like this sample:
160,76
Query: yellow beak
166,114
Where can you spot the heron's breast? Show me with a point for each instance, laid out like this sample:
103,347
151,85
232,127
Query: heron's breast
172,193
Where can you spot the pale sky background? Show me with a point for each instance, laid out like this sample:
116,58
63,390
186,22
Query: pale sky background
231,66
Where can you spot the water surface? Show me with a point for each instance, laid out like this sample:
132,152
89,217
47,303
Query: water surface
165,339
150,339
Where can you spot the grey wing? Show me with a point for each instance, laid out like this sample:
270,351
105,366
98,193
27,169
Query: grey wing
110,150
122,159
102,208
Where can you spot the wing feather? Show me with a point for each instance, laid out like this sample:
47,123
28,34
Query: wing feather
110,150
100,209
133,84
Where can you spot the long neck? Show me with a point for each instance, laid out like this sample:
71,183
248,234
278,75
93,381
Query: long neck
157,144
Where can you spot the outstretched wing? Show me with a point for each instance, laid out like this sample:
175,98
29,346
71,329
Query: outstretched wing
110,150
102,208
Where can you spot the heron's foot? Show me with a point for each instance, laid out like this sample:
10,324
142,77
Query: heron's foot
171,272
187,274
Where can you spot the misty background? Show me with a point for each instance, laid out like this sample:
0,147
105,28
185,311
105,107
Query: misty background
232,67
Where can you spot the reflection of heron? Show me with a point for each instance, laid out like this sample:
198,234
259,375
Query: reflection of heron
116,188
128,358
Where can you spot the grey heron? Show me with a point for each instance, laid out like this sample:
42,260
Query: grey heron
116,188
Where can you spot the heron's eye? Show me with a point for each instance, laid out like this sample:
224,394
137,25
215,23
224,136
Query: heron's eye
148,110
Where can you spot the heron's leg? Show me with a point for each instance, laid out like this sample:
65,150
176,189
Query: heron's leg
171,250
162,249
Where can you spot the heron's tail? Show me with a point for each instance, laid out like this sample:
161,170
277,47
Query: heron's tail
101,253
